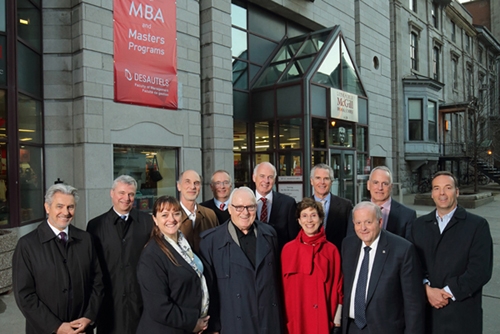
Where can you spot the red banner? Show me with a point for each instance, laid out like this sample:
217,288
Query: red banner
145,48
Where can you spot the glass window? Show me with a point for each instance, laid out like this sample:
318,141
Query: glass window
318,157
265,23
154,169
240,74
453,32
470,83
415,119
29,24
240,106
30,74
30,119
240,137
318,101
435,59
239,47
341,134
242,169
454,70
413,5
362,111
3,115
480,57
260,48
297,69
414,51
3,10
31,183
264,136
350,79
238,16
318,133
290,164
4,200
434,14
362,138
431,119
289,101
329,71
3,61
467,43
263,105
290,133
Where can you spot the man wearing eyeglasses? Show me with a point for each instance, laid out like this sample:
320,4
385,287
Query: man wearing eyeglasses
397,218
243,256
221,185
195,218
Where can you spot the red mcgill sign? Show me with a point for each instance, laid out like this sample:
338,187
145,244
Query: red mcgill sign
145,48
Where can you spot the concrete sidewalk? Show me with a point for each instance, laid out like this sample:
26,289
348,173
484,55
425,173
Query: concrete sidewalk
12,321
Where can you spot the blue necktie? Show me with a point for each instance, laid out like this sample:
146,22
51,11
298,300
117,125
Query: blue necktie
360,298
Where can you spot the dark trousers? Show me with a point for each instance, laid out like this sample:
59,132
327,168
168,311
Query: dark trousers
353,329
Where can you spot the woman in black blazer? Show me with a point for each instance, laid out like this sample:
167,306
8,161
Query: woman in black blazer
171,278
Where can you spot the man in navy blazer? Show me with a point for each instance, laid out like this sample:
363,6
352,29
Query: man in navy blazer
337,209
221,185
393,300
280,207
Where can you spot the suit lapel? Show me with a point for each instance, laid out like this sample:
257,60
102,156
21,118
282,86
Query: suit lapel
263,247
274,208
351,253
392,220
378,264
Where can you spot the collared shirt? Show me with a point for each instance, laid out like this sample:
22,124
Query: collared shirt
120,215
443,221
191,215
56,231
326,205
386,209
372,253
218,203
269,198
248,243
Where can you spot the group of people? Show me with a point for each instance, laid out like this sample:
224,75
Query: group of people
255,261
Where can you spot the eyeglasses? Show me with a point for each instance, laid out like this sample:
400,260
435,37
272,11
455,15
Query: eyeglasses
219,184
240,208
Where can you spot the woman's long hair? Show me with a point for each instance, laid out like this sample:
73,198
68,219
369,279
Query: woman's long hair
164,202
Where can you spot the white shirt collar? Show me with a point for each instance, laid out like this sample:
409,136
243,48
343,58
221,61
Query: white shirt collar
56,231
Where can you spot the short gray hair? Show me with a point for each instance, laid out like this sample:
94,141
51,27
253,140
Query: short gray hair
383,168
127,179
265,163
60,188
322,166
221,171
245,189
367,205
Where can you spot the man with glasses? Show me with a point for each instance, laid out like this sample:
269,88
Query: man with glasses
243,256
337,209
221,185
397,218
195,218
274,208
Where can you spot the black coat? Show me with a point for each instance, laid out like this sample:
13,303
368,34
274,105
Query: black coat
282,218
222,216
249,300
122,304
395,301
460,258
171,294
43,276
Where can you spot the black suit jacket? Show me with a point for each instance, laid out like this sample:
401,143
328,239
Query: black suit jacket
282,218
461,258
222,216
400,219
395,301
42,275
122,304
338,220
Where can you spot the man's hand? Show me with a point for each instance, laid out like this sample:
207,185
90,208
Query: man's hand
65,328
438,298
80,325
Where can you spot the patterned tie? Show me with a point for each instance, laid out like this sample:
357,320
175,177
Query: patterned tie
63,237
360,298
221,207
263,212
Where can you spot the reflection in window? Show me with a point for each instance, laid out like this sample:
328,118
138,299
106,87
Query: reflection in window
30,119
29,24
415,119
240,74
239,47
30,74
154,169
242,169
238,16
318,133
2,15
318,157
290,164
362,139
350,79
434,14
264,137
31,183
290,131
341,134
431,118
240,139
328,73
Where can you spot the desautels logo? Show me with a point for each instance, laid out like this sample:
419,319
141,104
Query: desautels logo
128,75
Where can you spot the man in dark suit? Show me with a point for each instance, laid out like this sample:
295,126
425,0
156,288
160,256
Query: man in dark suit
195,218
56,273
337,209
456,251
121,234
397,217
221,185
243,256
278,210
383,290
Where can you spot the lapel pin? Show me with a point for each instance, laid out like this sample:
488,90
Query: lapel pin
383,251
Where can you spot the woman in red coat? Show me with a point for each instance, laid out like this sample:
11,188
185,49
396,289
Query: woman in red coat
312,280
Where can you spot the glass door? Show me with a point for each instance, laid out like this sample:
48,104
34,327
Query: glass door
344,183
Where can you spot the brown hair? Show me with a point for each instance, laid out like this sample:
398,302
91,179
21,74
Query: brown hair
164,202
310,203
446,173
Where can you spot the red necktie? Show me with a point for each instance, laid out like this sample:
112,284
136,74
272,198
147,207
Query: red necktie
221,207
263,212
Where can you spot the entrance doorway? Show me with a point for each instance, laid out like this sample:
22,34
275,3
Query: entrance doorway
344,183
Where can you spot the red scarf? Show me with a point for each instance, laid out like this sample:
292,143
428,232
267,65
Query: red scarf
301,256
